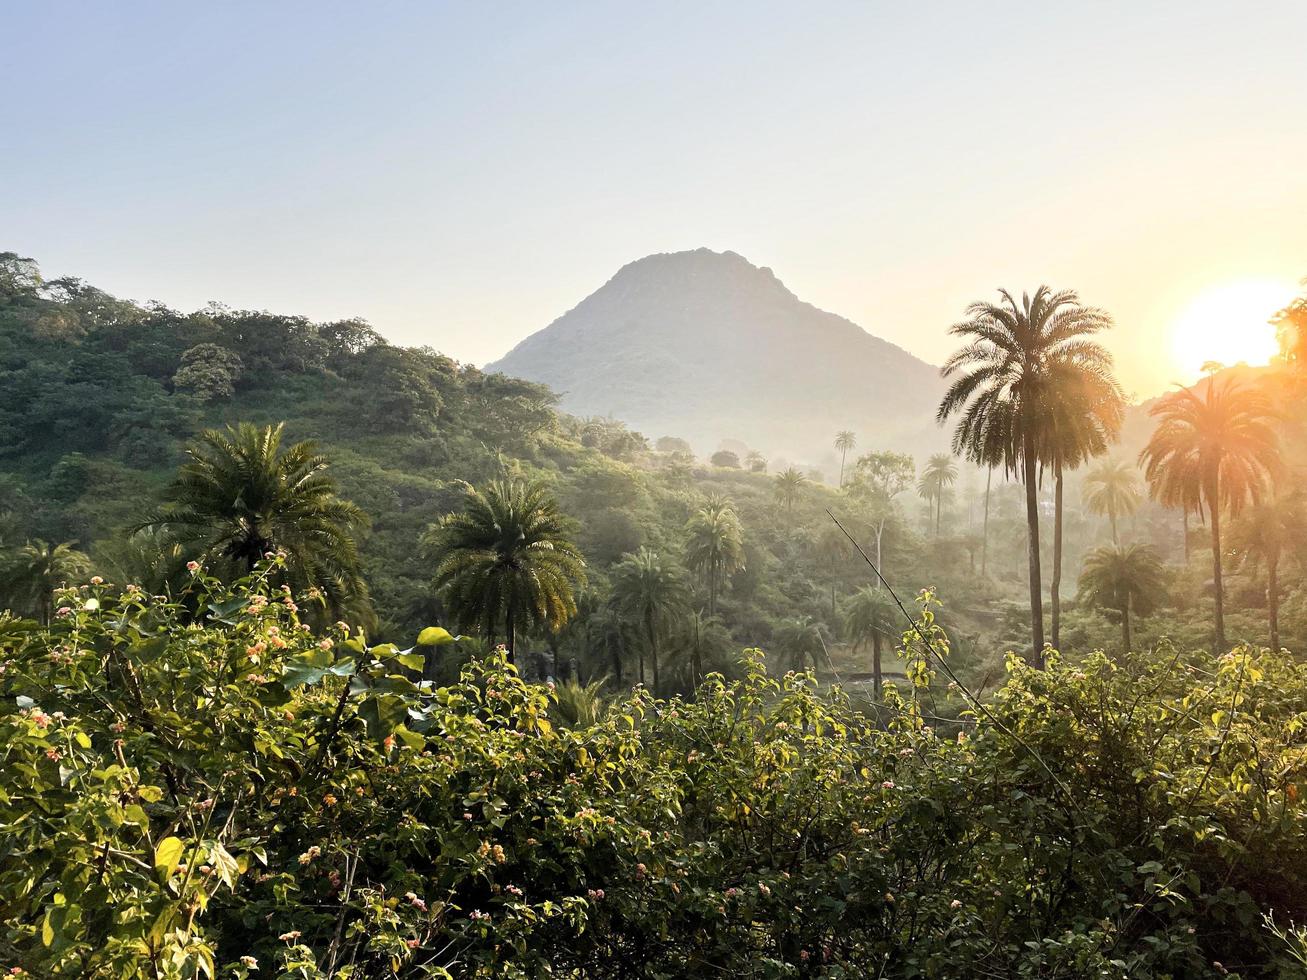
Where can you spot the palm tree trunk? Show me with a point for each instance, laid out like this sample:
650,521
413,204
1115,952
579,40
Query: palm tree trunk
984,534
653,646
939,507
512,645
1214,505
1273,600
1032,552
843,453
1185,512
1125,629
880,531
1111,516
875,663
1056,585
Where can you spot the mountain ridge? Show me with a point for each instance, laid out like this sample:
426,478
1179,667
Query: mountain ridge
708,346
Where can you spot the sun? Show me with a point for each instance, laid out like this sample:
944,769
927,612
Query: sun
1229,324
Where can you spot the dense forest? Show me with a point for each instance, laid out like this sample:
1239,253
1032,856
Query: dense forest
101,397
329,658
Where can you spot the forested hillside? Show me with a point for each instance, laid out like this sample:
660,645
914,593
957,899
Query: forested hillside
99,396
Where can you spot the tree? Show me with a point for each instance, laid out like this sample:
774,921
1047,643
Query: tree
35,570
756,462
703,640
1262,535
1002,386
869,617
208,372
672,444
1124,580
788,484
830,546
880,477
654,593
241,496
1290,331
507,561
726,458
801,639
1218,449
844,441
1112,491
715,546
1082,416
940,472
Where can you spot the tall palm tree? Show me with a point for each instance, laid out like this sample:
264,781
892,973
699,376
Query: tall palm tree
507,561
654,593
1262,535
1001,388
1083,409
939,473
844,441
702,640
715,546
1218,449
869,617
801,638
788,483
830,546
35,570
241,495
1112,491
1125,580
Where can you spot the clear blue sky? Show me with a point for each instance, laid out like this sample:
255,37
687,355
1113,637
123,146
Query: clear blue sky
460,174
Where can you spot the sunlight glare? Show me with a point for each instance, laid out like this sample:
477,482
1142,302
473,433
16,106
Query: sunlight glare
1229,324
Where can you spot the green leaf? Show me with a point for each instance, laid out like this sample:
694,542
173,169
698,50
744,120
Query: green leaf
413,661
167,854
435,636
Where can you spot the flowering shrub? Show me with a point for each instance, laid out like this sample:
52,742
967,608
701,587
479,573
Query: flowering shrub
212,789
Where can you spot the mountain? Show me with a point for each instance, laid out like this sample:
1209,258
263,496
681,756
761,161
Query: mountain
707,346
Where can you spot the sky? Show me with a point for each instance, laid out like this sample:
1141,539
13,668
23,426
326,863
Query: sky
460,174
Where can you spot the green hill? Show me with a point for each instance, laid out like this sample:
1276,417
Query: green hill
98,397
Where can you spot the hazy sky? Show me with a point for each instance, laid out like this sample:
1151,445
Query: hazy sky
461,174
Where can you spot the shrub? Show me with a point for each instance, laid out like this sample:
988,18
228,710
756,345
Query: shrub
206,787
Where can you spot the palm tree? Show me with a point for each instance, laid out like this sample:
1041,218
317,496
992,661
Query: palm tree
869,616
715,546
702,640
844,441
578,705
984,533
1112,490
939,473
1124,580
1219,451
35,570
1001,382
507,561
1262,534
830,546
240,496
654,593
788,483
1083,411
801,638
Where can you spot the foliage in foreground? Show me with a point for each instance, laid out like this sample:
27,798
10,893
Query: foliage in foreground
227,793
